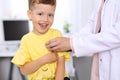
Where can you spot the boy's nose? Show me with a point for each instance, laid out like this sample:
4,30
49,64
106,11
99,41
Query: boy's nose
45,18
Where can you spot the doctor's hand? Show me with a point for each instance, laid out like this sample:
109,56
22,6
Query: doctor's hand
59,44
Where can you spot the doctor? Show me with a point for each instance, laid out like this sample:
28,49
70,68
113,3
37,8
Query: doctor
102,42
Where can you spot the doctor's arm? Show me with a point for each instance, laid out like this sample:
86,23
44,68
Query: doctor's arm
100,42
64,43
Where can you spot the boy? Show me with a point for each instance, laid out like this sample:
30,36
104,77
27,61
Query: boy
32,57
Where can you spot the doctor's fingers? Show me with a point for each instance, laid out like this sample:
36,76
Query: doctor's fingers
57,40
50,42
52,46
56,48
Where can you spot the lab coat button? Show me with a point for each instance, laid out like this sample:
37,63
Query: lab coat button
100,59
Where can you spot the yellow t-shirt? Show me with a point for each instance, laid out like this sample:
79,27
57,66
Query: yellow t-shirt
33,47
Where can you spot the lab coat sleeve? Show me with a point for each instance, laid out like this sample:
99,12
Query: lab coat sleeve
87,45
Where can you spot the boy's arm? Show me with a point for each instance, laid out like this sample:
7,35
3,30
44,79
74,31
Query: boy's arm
60,68
33,66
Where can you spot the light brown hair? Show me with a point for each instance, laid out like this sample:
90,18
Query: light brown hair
32,2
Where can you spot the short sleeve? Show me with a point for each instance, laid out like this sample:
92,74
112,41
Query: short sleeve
66,54
22,55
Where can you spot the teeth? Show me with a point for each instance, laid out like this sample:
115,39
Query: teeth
44,24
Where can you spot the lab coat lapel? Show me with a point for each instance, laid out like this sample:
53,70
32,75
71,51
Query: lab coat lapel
95,65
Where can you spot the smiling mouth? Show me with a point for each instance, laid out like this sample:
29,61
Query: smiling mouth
43,26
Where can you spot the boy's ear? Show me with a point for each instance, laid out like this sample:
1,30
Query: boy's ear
29,13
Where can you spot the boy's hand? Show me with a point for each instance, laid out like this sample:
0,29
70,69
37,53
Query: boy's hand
50,57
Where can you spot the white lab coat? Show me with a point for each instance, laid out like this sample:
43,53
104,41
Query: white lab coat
106,43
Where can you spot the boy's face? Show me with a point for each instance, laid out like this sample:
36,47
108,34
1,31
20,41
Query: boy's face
42,16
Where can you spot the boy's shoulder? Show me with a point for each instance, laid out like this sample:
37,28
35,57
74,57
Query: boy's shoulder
26,36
